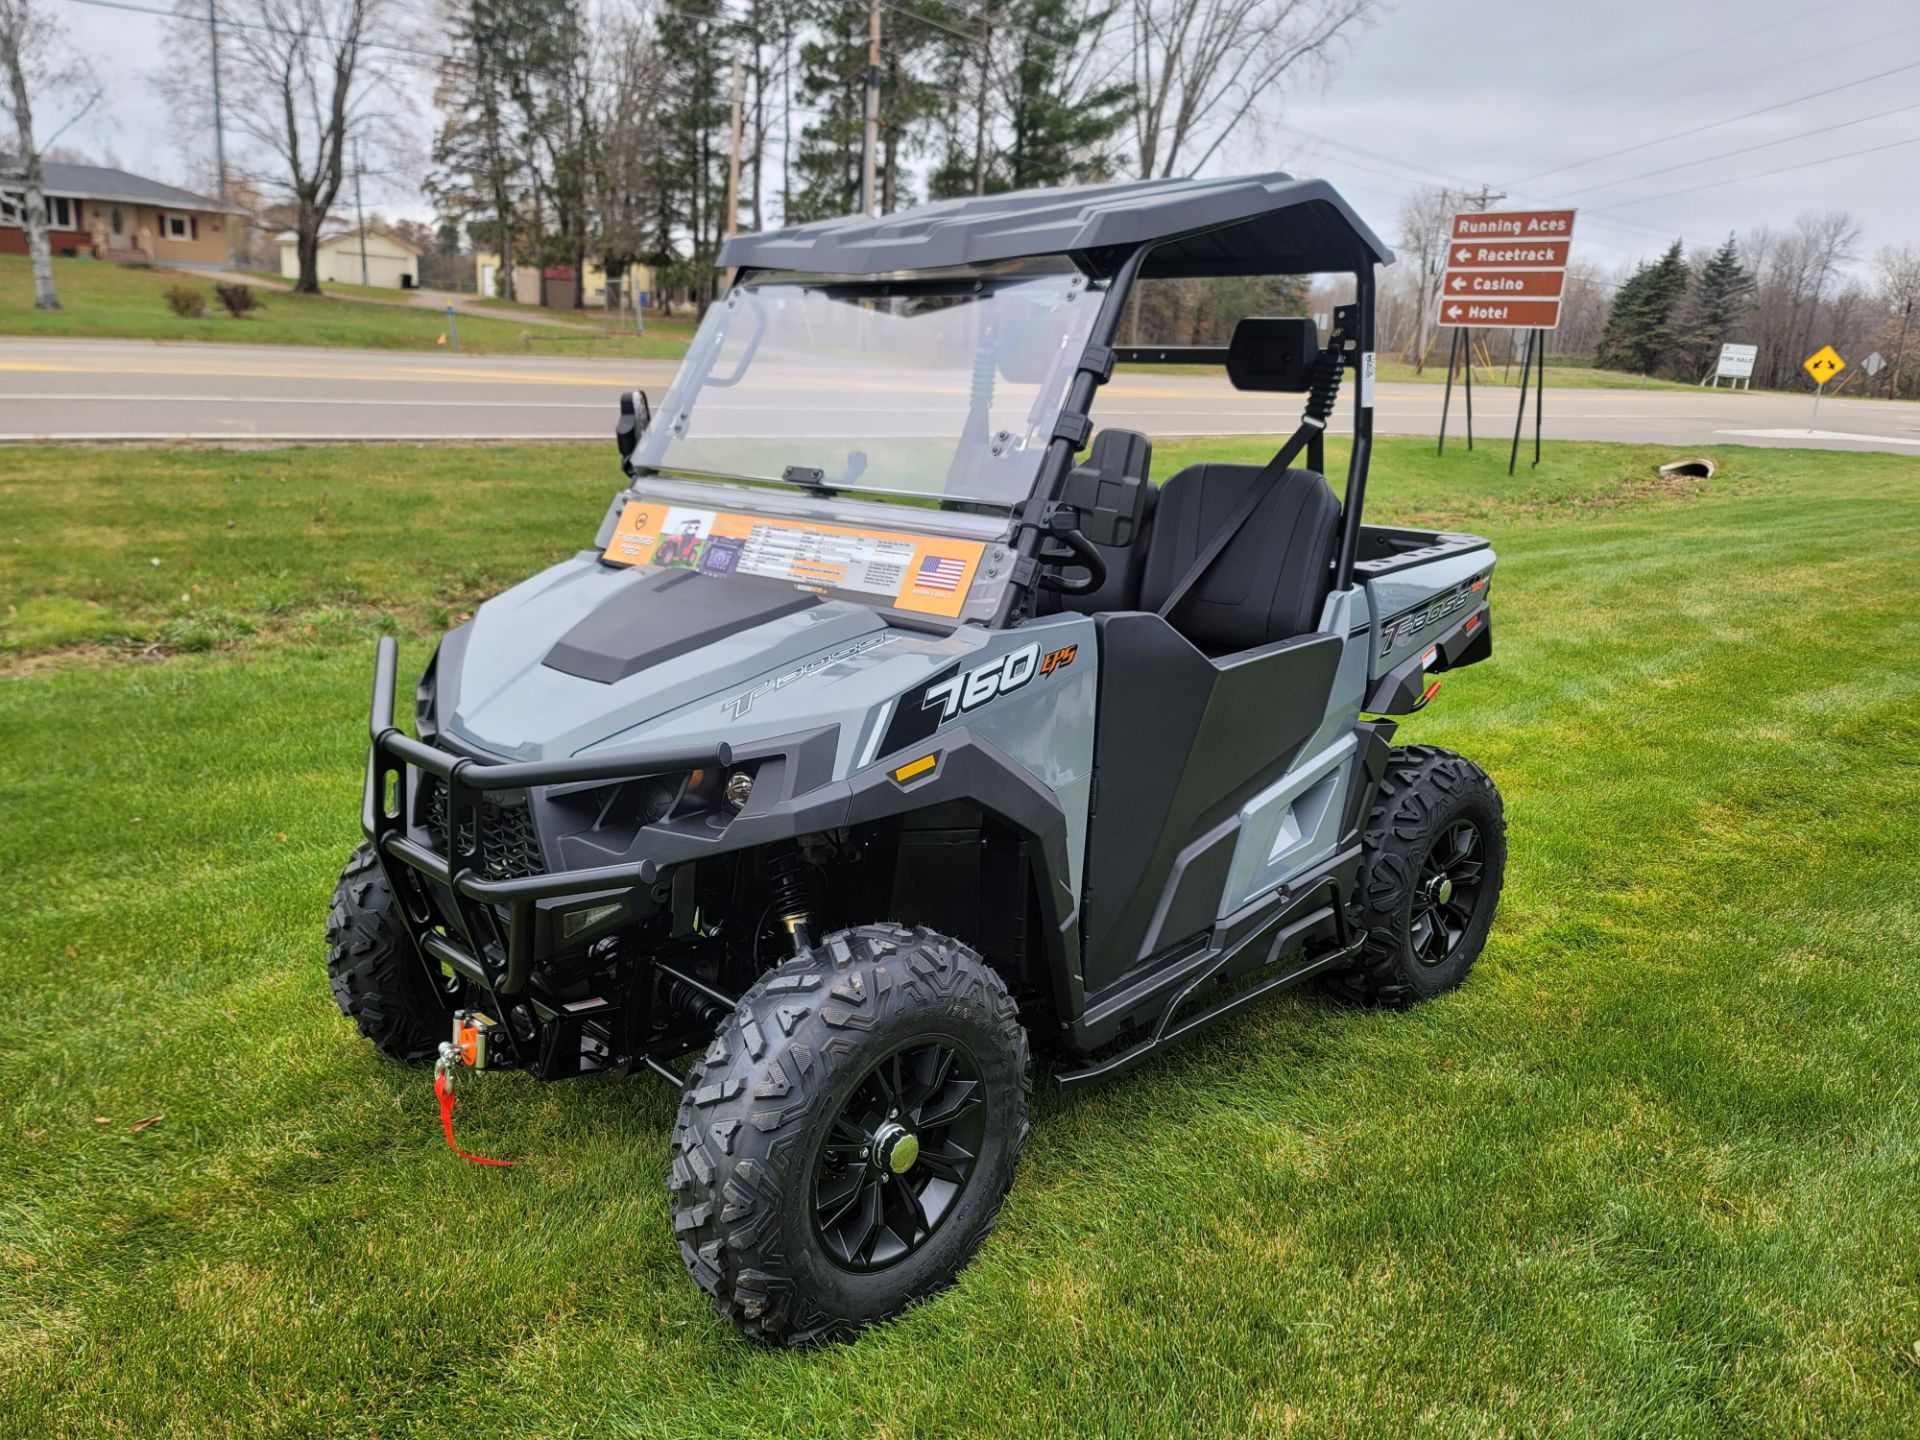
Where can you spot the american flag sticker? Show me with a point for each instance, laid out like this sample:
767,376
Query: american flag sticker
940,572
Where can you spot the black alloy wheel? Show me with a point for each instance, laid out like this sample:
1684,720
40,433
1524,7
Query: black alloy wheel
1447,899
844,1145
1433,851
899,1155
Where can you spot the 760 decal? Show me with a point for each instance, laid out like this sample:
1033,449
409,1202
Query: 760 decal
971,689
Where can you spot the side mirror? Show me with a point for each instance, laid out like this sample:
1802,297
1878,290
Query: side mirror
636,414
1108,490
1273,354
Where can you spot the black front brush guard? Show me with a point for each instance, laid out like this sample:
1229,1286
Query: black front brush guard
460,873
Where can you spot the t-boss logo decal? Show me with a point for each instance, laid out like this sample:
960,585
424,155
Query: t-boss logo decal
743,702
1409,623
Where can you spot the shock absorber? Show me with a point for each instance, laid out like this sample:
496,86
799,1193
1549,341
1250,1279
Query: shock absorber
794,883
1325,390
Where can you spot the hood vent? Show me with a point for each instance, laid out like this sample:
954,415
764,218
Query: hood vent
664,616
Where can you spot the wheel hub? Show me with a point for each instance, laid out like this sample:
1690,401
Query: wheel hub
1447,897
895,1161
895,1148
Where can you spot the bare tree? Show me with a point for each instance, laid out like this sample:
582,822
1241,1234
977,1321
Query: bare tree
1796,270
628,93
1200,67
302,80
1424,221
32,60
1898,268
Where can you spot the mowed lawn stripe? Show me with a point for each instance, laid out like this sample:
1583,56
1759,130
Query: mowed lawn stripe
1651,1172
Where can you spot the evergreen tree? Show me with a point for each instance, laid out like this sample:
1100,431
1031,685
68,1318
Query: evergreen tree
832,79
1030,96
1059,134
1721,297
1640,332
691,170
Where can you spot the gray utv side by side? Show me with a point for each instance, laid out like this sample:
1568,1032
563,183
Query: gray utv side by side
898,725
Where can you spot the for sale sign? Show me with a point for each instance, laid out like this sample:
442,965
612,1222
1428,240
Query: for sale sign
1736,362
1506,270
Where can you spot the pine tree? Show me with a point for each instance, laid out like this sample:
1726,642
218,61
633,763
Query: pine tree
1045,121
1721,297
690,171
1059,134
833,76
1640,331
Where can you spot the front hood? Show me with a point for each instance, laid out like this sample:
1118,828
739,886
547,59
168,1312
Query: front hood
499,692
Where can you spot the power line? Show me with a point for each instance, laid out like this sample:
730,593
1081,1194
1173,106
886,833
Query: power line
1824,10
1781,170
1716,124
1743,150
444,57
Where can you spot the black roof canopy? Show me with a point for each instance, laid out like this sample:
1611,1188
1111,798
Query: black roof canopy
1241,225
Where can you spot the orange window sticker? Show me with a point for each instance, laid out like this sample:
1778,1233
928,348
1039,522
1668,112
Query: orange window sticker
910,572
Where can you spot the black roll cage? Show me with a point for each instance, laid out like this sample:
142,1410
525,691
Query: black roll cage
1075,424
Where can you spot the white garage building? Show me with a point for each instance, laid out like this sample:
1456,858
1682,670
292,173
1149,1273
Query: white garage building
391,262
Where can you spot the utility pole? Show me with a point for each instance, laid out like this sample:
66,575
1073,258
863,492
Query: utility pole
980,114
1899,352
360,213
733,155
219,129
871,142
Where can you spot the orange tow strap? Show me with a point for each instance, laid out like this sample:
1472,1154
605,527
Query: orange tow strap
443,1089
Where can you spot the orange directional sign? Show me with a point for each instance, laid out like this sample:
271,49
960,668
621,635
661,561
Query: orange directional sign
1512,284
1501,314
1514,225
1506,269
1484,254
1823,364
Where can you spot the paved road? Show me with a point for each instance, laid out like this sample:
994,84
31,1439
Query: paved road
104,390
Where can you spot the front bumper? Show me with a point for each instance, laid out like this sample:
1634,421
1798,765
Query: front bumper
489,929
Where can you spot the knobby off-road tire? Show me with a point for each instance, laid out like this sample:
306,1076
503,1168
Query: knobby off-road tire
377,980
1436,817
766,1142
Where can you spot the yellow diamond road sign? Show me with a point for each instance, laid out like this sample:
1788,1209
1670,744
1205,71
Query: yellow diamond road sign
1824,364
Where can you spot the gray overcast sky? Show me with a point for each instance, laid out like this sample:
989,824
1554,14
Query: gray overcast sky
1469,90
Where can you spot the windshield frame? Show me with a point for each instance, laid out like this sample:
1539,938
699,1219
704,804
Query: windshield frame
1050,398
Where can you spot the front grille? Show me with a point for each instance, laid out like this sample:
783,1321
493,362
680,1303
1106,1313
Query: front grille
510,846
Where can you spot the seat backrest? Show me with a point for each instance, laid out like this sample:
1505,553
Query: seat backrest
1271,580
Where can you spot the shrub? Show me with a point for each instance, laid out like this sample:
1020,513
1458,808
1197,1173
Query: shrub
186,302
239,300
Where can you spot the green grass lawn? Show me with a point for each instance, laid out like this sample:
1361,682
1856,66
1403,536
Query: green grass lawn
102,301
1651,1172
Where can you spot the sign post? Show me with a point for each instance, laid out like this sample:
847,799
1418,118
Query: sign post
1507,270
1822,365
1735,365
1458,350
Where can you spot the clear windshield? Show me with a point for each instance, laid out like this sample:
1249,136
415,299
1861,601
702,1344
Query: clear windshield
923,383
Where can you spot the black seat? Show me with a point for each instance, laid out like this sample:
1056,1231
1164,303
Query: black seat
1270,582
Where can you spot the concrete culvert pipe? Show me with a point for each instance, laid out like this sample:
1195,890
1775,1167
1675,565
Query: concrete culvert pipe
1698,468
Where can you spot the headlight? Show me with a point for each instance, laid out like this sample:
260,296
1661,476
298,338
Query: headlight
739,789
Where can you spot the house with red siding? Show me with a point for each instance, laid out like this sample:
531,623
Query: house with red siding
112,215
